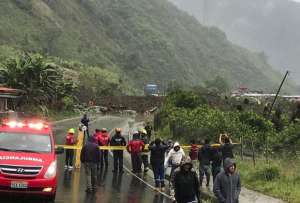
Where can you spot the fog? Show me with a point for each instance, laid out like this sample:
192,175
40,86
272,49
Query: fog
268,26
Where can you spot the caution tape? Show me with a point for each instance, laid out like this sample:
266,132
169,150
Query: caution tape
124,147
100,147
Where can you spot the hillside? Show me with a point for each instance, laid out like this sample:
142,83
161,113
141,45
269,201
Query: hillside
148,41
270,26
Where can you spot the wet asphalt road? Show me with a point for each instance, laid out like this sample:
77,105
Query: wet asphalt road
112,188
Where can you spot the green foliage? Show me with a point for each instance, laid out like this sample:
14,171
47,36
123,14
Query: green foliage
219,84
255,121
68,103
188,117
58,83
280,179
185,99
145,41
268,173
32,73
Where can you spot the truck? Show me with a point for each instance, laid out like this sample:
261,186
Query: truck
151,90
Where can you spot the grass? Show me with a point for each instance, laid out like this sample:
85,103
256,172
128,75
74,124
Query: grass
280,178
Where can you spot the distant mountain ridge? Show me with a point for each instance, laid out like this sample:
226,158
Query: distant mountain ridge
269,26
148,41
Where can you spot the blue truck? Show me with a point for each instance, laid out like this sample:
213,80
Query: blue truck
151,90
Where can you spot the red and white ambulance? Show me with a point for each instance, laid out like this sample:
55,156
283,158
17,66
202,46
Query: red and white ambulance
28,158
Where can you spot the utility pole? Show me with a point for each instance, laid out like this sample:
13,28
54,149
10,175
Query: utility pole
269,116
286,74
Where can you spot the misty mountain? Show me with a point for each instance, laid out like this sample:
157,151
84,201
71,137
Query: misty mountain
147,41
268,26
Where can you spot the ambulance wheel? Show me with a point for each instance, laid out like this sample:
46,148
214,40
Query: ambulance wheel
51,198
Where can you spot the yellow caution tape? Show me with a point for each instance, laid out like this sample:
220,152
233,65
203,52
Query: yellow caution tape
124,147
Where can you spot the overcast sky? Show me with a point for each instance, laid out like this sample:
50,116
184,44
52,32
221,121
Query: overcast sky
296,0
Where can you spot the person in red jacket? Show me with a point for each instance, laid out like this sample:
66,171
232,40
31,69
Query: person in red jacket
194,153
70,140
96,135
103,140
135,148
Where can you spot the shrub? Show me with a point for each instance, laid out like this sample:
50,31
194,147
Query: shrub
268,173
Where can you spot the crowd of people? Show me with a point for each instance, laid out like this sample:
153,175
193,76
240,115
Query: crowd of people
188,170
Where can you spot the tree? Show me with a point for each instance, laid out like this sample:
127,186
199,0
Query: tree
32,73
219,83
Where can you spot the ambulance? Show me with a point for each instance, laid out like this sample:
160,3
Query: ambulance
28,163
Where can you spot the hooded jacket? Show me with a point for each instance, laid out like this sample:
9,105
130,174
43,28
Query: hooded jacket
90,152
175,157
227,186
186,183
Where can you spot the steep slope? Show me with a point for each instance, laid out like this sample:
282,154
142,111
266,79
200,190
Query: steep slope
149,41
270,26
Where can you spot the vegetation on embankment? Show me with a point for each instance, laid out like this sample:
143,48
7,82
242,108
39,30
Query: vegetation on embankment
145,41
280,178
188,115
54,84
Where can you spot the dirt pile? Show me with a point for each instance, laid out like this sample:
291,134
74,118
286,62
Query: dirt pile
137,103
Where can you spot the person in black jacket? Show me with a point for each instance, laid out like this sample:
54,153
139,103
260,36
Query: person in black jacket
204,156
90,156
118,140
85,121
186,183
226,147
216,162
157,159
227,186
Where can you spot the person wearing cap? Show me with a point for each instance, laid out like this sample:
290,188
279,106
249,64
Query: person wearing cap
118,140
157,159
145,138
70,141
89,156
135,147
227,186
103,140
186,183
